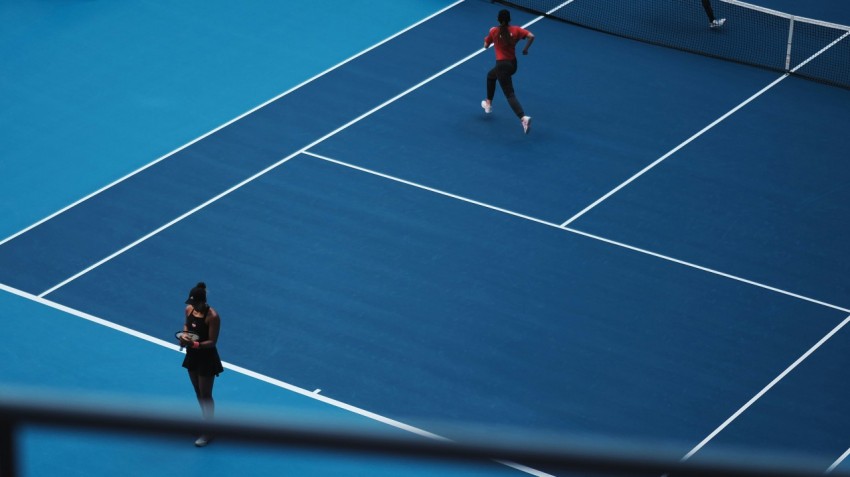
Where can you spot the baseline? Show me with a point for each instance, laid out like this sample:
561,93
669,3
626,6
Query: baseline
252,374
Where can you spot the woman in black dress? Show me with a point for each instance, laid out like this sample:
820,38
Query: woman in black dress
202,358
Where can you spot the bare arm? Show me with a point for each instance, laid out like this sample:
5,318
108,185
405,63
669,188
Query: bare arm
529,41
488,40
188,320
214,323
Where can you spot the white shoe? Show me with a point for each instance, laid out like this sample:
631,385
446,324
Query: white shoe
717,23
487,106
526,124
203,440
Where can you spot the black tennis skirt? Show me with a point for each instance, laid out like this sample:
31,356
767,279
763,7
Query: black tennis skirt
204,361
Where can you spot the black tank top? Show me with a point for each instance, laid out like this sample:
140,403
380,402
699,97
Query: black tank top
199,326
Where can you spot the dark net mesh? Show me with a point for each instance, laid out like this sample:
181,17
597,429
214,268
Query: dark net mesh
751,35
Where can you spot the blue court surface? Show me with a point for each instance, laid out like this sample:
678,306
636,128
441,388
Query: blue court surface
662,259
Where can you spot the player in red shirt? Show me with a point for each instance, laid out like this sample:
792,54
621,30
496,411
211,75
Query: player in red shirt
505,38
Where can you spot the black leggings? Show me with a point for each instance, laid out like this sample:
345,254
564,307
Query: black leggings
203,390
706,4
502,72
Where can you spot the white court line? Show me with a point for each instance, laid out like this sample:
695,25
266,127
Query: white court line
40,298
766,389
429,189
246,181
563,226
838,462
629,247
238,369
275,165
708,270
137,171
163,227
673,151
811,350
809,59
579,232
252,374
705,129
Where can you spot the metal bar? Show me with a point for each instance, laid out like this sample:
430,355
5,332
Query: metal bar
8,454
777,13
790,40
546,451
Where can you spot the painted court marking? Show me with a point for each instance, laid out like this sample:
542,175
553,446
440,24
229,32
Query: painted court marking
316,394
277,164
705,129
578,232
838,462
228,123
743,408
261,377
766,389
672,151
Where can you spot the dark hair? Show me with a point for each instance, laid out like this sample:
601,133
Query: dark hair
198,296
504,16
505,33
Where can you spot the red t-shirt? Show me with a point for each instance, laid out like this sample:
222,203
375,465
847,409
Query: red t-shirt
503,50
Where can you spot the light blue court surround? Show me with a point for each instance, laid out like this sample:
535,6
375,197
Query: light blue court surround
423,307
67,357
94,90
404,301
163,192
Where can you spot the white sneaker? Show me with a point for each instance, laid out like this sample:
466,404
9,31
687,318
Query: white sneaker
487,106
203,440
526,124
717,23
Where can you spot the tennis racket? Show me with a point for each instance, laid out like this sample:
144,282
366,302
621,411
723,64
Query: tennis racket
186,336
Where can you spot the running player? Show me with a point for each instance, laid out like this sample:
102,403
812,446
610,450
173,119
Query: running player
505,38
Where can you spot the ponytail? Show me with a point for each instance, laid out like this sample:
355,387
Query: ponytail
504,19
505,35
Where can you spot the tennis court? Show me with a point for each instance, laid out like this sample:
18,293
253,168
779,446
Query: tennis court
660,260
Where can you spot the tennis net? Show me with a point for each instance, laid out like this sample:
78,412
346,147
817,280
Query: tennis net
752,35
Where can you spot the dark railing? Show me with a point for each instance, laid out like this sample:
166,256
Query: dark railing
542,452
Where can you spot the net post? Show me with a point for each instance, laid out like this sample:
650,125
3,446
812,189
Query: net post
790,41
8,463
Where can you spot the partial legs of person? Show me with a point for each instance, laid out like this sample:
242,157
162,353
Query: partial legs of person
713,22
503,72
487,104
203,390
